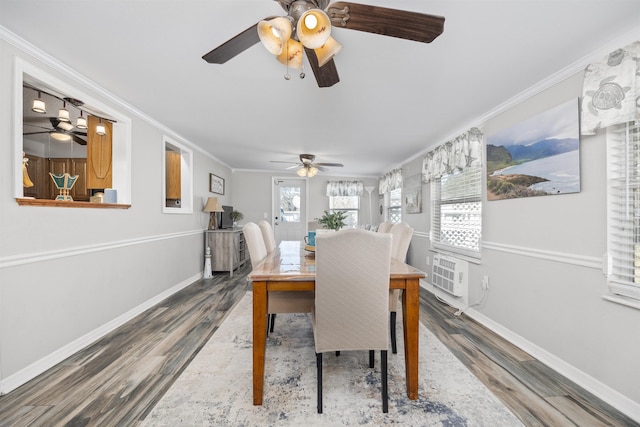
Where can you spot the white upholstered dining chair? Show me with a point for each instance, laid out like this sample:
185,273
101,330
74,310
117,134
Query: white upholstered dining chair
277,302
351,309
402,234
385,227
267,235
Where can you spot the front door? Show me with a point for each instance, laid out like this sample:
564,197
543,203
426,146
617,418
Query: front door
289,208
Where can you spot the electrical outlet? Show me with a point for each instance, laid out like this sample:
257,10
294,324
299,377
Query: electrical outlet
485,282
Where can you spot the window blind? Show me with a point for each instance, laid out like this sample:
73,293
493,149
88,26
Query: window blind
623,209
456,218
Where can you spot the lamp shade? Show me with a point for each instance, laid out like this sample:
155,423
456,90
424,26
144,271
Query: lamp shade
213,205
292,54
312,171
274,34
327,51
314,28
63,115
302,171
81,123
39,105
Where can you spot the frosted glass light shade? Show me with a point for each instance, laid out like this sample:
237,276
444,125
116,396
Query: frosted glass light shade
63,115
58,136
274,34
292,54
81,123
38,106
313,171
327,51
314,28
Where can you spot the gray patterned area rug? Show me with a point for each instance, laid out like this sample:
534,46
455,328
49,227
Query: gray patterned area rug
216,388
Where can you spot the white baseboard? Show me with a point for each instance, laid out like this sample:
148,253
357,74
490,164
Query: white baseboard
28,373
597,388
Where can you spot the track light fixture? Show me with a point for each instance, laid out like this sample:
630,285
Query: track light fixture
81,123
63,113
38,105
100,129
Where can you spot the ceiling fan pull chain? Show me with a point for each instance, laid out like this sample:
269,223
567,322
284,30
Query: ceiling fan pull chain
302,74
287,76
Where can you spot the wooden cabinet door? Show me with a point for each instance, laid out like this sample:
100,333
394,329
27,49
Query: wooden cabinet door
172,177
38,169
99,154
79,192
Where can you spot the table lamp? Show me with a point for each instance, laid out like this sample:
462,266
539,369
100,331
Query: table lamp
213,206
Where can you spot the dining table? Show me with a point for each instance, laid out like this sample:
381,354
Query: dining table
291,267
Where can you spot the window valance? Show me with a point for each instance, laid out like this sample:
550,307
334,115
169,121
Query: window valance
456,155
390,181
345,188
611,90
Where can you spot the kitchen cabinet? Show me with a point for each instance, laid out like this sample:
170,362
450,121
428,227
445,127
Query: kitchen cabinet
228,249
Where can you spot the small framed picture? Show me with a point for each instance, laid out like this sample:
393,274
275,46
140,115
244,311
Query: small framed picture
216,184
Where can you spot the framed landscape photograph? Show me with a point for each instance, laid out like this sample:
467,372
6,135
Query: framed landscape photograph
539,156
216,184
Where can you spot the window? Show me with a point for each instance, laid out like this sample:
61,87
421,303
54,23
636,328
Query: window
36,132
456,218
177,180
623,209
348,204
393,204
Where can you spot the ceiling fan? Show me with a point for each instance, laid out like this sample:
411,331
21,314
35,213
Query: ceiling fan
60,130
309,27
307,165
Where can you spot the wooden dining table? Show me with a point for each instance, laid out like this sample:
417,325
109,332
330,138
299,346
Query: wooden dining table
292,268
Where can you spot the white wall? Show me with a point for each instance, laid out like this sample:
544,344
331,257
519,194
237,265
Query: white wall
252,195
67,276
543,257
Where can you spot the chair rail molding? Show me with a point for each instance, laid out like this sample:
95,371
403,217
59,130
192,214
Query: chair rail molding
23,259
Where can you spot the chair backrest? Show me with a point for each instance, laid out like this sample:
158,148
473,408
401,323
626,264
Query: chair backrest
402,234
385,227
267,235
255,243
352,290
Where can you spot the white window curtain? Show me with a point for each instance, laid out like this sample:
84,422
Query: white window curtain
392,180
453,156
345,188
611,90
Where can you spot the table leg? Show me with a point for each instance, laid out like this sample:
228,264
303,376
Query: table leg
259,338
410,327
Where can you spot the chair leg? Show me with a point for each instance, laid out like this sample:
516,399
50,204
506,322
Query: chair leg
385,390
273,321
337,353
371,357
392,327
319,368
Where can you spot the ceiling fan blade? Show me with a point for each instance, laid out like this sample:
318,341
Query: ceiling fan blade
320,168
294,167
290,163
334,165
77,139
402,24
235,45
327,75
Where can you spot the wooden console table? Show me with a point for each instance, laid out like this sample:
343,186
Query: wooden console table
228,249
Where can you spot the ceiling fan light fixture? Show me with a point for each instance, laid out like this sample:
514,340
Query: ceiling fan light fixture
291,56
63,113
38,105
81,123
65,126
313,171
327,51
60,136
302,172
314,28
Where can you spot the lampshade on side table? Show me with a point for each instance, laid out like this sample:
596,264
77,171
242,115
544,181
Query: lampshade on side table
213,206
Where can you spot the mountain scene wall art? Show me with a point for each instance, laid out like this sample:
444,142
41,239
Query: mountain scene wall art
536,157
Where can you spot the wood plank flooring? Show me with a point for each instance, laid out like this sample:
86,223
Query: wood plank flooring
117,380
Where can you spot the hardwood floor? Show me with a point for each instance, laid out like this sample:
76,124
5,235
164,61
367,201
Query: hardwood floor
118,380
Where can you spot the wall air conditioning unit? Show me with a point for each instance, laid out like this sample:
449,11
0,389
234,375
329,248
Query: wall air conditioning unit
450,274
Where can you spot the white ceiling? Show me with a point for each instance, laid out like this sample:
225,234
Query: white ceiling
395,97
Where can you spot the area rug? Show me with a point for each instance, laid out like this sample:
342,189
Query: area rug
216,388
